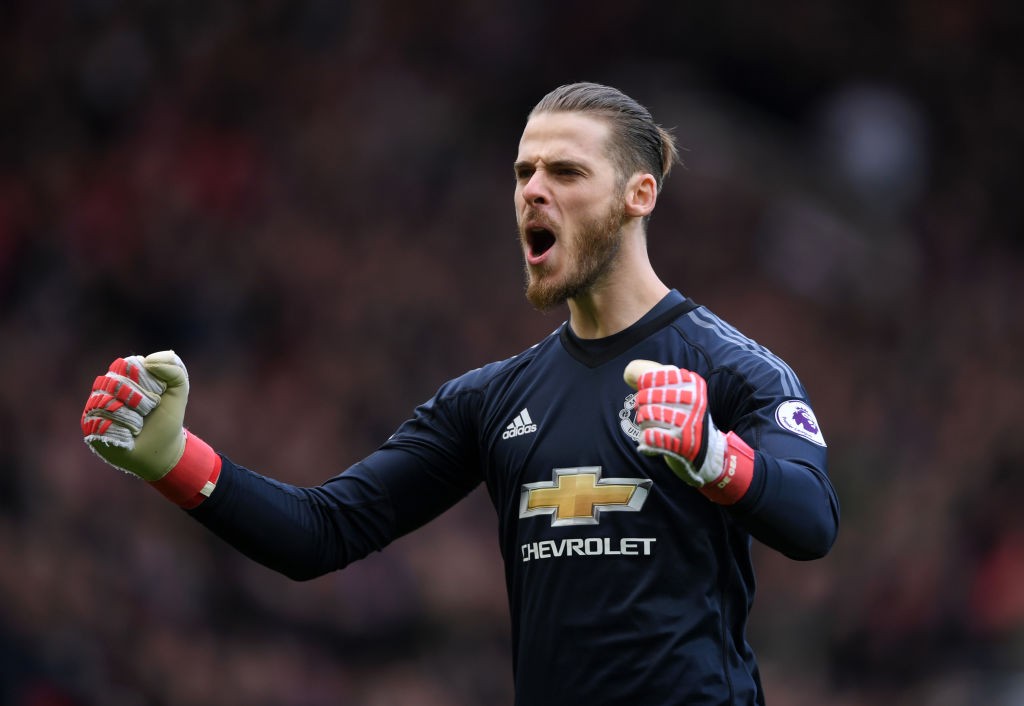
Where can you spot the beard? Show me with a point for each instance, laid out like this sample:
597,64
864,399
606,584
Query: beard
591,258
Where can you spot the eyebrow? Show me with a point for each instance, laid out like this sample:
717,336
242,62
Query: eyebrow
552,165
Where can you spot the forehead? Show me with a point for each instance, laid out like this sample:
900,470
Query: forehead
563,135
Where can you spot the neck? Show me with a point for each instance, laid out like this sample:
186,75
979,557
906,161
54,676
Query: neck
627,292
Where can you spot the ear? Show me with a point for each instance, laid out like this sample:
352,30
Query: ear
641,194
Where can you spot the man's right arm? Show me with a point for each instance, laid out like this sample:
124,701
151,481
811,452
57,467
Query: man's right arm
307,532
134,420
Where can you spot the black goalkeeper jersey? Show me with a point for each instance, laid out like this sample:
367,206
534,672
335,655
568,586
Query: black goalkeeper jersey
625,585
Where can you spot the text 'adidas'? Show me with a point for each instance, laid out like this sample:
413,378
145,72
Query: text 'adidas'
522,424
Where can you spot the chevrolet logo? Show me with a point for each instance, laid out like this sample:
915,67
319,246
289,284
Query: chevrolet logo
578,496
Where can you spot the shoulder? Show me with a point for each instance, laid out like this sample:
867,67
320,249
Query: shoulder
453,415
495,375
731,354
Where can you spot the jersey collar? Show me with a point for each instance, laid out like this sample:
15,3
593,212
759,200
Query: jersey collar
597,351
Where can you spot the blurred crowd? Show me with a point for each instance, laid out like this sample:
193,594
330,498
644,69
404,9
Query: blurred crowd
311,203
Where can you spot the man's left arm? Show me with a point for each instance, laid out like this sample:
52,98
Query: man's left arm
790,506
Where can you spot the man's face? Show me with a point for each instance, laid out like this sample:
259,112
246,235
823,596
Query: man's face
569,206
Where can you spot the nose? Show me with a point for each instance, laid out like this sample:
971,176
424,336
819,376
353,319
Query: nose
535,189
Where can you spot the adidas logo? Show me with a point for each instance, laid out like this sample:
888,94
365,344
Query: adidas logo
522,424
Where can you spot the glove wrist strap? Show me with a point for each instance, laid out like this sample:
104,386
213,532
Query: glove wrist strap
737,472
193,477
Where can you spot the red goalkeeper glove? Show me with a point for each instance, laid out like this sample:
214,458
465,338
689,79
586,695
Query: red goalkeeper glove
133,420
672,412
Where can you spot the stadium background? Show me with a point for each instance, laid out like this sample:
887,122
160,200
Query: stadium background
311,202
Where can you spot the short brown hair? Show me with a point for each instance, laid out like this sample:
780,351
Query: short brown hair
638,143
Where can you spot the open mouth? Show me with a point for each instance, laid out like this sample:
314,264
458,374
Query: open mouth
539,240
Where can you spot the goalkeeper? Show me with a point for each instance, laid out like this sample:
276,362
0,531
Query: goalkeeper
631,456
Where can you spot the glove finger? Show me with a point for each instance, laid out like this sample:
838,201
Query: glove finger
121,414
107,433
138,372
661,440
662,416
683,443
133,369
121,397
167,368
679,465
647,450
114,447
635,369
666,395
662,376
112,391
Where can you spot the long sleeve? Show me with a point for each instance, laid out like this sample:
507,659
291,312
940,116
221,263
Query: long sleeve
791,504
306,532
427,466
790,507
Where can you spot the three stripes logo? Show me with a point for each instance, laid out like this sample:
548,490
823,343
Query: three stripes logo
522,424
